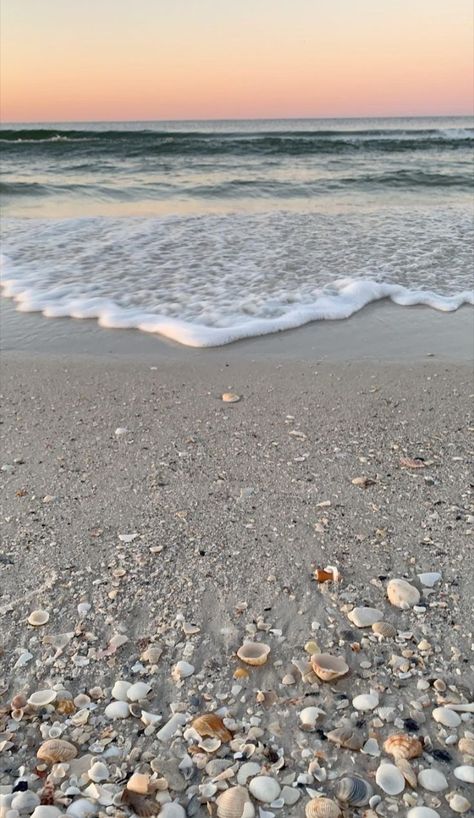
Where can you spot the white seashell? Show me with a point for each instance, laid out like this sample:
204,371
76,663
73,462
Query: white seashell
402,594
235,803
42,697
463,707
371,747
290,795
253,653
365,701
449,718
459,804
328,668
432,780
309,716
465,773
322,808
98,772
422,812
150,718
364,617
246,771
429,579
264,788
182,670
38,618
46,812
389,779
25,801
172,725
119,690
117,710
137,691
172,810
82,808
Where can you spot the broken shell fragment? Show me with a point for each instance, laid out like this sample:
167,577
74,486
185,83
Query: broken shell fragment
327,667
230,397
38,618
322,808
364,617
139,782
401,745
235,803
309,716
56,750
407,771
137,691
253,653
354,791
401,594
466,746
347,737
209,724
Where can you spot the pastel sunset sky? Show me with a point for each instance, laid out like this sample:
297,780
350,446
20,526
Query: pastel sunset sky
209,59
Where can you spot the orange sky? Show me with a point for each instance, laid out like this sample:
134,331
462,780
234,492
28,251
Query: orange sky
184,59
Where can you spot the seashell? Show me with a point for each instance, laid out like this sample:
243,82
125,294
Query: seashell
322,808
143,807
25,801
429,579
152,654
365,701
182,670
82,808
461,707
354,791
327,667
290,795
447,717
371,747
18,701
458,803
390,779
171,809
422,812
253,653
209,724
402,594
139,782
235,803
47,793
323,575
248,770
465,773
120,689
98,772
230,397
346,737
65,707
264,788
17,714
240,673
309,716
384,629
210,745
46,812
364,617
407,771
402,745
173,724
117,710
149,718
466,746
432,780
38,618
56,750
137,691
41,698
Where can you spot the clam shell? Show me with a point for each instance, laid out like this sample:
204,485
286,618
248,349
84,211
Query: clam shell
230,397
309,716
235,803
447,717
390,779
40,698
346,737
55,750
407,771
209,724
44,811
327,667
465,773
264,788
422,812
384,629
365,701
402,594
137,691
253,653
432,780
457,803
18,701
354,791
25,801
401,745
364,617
117,710
322,808
38,618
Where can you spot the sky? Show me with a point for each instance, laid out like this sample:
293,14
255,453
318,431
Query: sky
80,60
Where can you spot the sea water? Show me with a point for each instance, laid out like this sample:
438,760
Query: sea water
207,232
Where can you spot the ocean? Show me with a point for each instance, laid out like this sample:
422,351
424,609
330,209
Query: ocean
207,232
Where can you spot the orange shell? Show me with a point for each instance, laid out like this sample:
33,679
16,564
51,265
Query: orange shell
401,745
56,750
321,575
209,724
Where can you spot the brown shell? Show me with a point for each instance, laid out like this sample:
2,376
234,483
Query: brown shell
385,629
209,724
401,745
466,746
322,808
321,575
346,737
407,771
55,750
18,702
327,667
47,794
143,807
65,706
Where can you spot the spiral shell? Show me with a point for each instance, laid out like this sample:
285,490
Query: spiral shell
322,808
253,653
327,667
354,791
55,750
209,724
346,737
401,745
235,803
384,629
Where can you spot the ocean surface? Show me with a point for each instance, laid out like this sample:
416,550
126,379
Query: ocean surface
207,232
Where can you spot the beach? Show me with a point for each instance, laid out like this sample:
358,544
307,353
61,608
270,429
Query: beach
160,527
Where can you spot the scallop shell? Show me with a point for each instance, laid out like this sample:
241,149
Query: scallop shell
354,791
143,807
384,629
407,771
402,594
346,737
322,808
55,750
253,653
230,397
209,724
401,745
38,618
390,779
235,803
327,667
